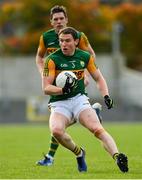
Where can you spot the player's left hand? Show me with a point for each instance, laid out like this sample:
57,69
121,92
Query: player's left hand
108,101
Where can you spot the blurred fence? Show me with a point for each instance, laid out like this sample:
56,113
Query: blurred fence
21,97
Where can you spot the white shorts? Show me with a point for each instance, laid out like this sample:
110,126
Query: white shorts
71,107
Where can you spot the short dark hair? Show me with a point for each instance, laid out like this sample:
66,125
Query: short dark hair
69,30
58,9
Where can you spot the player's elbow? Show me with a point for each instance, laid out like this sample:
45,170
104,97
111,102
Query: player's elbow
46,90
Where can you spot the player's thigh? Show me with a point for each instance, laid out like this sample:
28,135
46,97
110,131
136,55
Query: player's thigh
58,121
89,119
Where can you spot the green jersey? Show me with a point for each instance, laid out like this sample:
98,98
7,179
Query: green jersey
51,41
76,63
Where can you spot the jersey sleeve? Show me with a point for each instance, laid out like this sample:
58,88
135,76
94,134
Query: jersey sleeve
49,68
83,42
91,67
41,48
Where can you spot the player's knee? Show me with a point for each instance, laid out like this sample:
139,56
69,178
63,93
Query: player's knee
97,131
57,132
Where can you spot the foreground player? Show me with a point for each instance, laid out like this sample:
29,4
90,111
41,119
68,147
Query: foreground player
71,102
49,42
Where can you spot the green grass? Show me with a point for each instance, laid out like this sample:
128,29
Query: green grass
22,145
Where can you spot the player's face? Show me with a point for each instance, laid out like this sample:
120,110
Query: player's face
67,44
59,21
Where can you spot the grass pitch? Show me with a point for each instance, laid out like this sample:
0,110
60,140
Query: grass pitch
22,145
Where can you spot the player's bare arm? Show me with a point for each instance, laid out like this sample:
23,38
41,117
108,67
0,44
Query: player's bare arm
40,56
101,83
48,88
48,79
98,77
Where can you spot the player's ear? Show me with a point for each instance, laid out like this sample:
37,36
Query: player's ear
66,20
51,22
76,42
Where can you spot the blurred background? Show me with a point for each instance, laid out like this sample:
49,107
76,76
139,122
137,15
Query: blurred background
113,28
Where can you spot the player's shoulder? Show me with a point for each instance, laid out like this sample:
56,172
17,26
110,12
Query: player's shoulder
49,32
82,55
81,34
82,52
54,57
78,34
83,40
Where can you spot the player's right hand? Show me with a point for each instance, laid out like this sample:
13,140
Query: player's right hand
69,86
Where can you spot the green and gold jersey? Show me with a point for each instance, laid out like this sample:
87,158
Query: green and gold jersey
58,62
49,41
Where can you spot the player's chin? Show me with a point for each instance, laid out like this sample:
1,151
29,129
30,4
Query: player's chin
59,27
65,52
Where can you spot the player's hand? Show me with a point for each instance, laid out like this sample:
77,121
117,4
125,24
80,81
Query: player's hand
69,86
108,101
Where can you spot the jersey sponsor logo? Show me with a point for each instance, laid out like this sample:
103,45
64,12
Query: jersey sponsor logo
79,74
51,50
64,65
